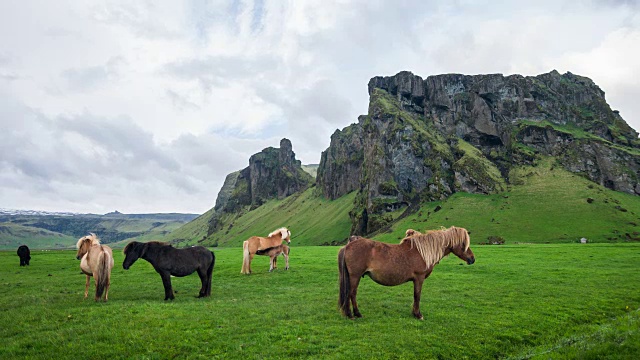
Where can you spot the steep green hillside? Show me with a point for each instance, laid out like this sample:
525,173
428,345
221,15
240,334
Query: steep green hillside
545,204
311,219
193,231
14,235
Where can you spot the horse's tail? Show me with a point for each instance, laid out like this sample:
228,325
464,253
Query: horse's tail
345,284
102,274
210,273
245,257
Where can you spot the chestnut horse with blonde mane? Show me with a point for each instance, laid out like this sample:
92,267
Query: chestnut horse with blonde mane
390,264
256,243
96,261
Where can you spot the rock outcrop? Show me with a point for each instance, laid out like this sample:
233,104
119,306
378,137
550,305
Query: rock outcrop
426,139
272,173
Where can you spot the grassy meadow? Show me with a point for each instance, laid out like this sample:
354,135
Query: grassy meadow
517,301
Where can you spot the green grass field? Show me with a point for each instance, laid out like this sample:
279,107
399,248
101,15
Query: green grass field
518,301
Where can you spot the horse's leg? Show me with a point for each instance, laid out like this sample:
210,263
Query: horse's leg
272,263
166,282
286,261
417,291
106,290
250,260
355,281
203,279
86,286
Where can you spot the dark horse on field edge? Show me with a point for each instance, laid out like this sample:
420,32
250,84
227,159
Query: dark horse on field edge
167,261
25,255
389,264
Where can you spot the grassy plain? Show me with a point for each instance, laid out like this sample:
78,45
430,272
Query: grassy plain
518,301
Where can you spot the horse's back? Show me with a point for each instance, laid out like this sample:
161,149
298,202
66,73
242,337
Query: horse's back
194,254
364,255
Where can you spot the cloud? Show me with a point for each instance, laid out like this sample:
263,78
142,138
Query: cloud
145,106
83,79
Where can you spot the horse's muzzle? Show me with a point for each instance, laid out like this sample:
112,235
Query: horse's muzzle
78,257
126,267
470,261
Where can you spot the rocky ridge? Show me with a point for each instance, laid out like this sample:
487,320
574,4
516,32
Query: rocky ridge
273,173
424,139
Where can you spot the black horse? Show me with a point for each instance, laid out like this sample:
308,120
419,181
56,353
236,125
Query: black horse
168,261
25,255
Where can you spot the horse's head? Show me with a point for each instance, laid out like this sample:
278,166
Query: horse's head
85,243
132,252
284,233
461,248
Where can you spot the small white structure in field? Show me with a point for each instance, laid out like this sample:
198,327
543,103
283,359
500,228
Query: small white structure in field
583,241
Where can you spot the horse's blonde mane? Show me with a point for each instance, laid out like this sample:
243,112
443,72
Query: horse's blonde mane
92,237
432,244
284,233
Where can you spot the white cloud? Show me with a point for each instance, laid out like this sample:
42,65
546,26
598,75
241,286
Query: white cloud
145,106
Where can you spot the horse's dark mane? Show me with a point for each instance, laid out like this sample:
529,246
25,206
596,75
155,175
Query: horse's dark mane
160,243
137,243
264,251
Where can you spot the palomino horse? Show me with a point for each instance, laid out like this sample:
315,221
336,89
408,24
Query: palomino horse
255,243
273,253
168,261
388,264
97,261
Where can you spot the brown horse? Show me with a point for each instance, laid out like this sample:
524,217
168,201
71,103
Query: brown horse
388,264
273,253
255,243
97,261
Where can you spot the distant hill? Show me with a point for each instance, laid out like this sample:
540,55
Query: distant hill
59,230
13,235
311,169
522,158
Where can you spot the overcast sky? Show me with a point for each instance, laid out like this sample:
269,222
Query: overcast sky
145,106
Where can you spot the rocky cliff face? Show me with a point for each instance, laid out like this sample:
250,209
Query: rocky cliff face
272,173
424,139
226,190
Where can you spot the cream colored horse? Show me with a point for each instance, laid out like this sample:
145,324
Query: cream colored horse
96,261
256,243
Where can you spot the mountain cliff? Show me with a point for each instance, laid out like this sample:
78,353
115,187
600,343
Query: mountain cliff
273,173
429,143
425,139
